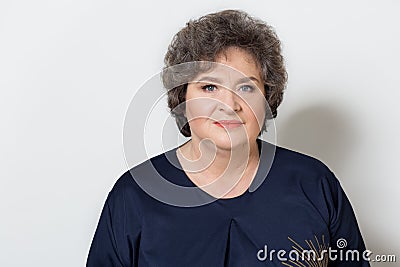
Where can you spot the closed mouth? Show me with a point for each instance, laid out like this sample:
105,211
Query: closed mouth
228,123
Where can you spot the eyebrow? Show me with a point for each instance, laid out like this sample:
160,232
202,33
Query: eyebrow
217,80
208,79
248,79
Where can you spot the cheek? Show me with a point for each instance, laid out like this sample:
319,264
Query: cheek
256,111
199,108
260,113
198,126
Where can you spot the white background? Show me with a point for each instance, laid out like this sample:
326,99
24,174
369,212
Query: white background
68,70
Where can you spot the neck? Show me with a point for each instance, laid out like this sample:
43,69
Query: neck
205,157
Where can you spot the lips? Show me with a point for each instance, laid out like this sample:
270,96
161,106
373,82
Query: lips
228,124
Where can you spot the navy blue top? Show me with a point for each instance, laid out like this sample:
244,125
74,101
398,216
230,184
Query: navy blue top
298,207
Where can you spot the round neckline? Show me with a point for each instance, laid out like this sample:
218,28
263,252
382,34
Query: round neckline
192,184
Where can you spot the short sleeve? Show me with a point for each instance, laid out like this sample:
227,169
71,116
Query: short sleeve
344,230
115,244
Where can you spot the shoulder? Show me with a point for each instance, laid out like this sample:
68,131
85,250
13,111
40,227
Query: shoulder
131,185
127,179
309,179
297,161
300,164
303,172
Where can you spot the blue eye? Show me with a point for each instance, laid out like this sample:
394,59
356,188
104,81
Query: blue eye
209,88
246,88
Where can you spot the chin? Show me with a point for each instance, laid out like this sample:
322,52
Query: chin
226,143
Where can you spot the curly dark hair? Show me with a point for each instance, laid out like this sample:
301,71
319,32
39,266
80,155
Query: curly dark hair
206,38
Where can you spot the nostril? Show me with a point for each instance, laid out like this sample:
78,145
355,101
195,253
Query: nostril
228,101
229,108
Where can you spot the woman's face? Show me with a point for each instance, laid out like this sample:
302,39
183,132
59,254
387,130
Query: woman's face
227,104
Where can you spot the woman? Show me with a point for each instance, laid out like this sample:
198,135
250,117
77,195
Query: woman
254,203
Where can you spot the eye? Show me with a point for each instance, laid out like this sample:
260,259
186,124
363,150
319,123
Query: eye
209,88
246,88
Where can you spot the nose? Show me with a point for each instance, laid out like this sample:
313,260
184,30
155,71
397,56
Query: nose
229,101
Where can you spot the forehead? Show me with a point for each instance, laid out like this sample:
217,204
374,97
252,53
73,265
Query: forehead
230,53
240,60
